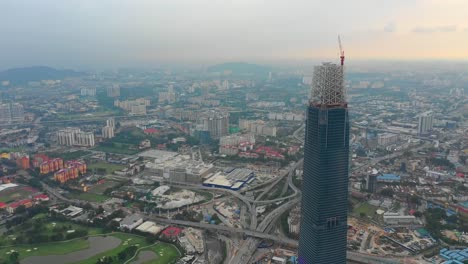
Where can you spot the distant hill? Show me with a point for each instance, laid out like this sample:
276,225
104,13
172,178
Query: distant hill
241,68
36,73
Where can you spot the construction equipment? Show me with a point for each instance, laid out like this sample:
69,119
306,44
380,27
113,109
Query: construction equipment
342,56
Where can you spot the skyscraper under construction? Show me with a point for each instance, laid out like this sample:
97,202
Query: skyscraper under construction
326,159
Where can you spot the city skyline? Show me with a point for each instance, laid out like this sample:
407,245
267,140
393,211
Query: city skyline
149,33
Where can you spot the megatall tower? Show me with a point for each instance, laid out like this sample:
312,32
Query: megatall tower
325,179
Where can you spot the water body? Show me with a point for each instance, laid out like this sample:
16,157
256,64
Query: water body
144,256
97,245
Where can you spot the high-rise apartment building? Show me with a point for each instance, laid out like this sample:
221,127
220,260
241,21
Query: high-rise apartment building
74,136
216,122
108,132
425,123
88,91
134,107
85,139
326,167
110,122
11,112
113,91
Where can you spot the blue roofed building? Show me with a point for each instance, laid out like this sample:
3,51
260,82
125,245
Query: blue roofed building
456,255
388,178
452,262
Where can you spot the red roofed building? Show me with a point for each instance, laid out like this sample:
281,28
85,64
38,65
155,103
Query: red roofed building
151,131
171,232
11,208
3,205
41,197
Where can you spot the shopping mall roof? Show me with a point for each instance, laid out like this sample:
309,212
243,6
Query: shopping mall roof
388,177
456,254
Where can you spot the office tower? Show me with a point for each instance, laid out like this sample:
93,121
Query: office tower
108,132
326,166
11,112
371,183
425,123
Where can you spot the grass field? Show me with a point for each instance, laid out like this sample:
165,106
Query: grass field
49,227
167,254
108,167
54,248
68,155
127,240
15,194
366,208
87,196
100,188
118,148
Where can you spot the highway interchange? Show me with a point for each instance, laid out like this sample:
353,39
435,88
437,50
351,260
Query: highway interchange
257,232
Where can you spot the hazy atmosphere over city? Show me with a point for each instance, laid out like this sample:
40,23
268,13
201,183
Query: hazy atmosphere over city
233,132
112,33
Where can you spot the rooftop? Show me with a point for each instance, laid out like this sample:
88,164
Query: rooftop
131,219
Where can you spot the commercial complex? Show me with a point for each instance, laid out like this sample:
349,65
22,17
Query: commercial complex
232,178
326,167
171,166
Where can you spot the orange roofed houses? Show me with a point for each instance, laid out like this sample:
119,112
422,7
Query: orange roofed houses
72,170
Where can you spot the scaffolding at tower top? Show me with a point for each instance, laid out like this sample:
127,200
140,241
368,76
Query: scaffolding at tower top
328,85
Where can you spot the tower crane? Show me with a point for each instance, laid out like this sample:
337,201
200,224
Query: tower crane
342,56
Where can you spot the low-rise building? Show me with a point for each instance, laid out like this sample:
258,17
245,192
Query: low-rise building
397,219
386,139
150,227
27,203
131,221
388,178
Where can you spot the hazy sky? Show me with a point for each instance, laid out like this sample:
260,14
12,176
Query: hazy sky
131,32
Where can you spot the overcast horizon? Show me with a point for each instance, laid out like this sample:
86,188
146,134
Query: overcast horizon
144,33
